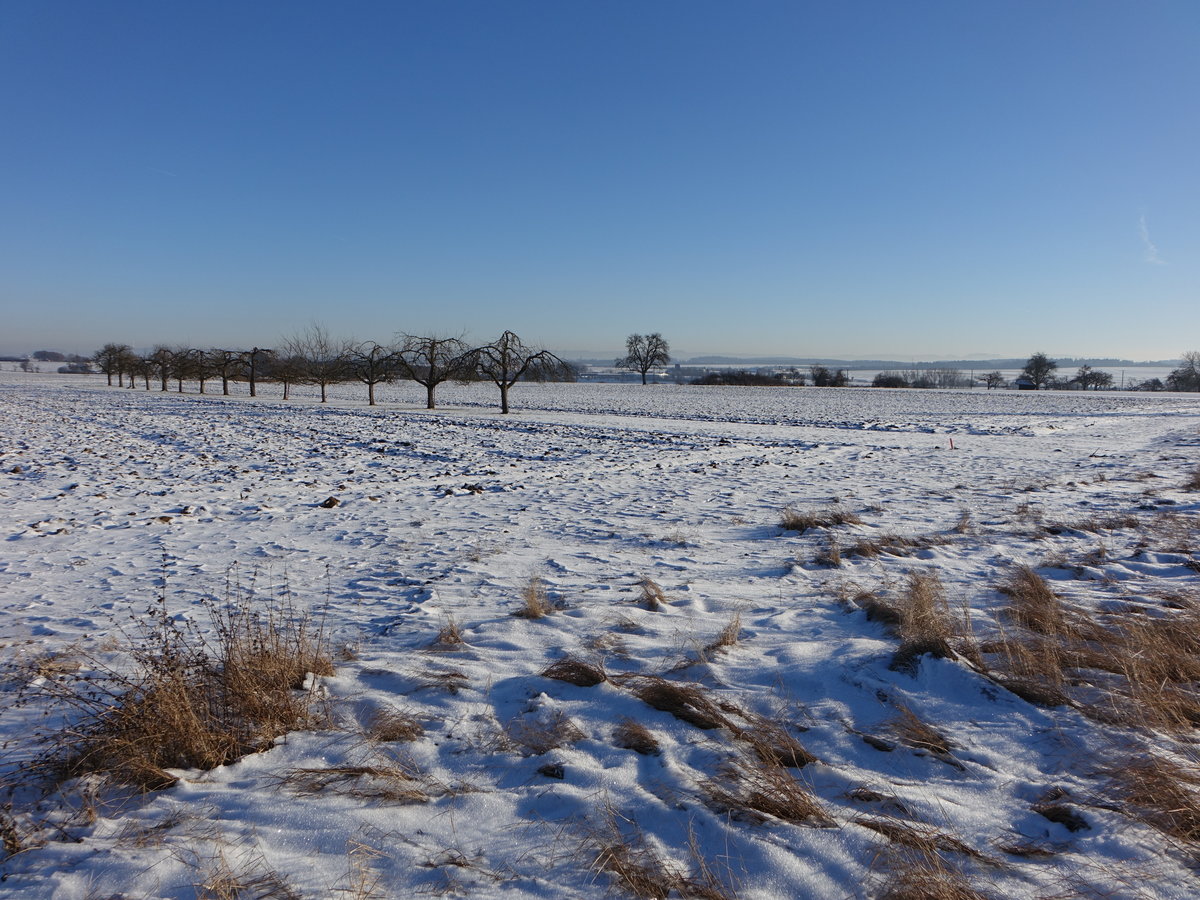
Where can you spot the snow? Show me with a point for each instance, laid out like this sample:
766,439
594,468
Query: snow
446,515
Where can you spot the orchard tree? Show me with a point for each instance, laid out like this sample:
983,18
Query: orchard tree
1040,370
643,352
227,364
507,360
372,364
431,360
163,359
992,380
254,359
323,359
112,359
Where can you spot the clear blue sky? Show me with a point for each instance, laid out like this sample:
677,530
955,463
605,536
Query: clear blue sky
901,179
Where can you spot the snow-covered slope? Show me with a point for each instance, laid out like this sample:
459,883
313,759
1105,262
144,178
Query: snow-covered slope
449,517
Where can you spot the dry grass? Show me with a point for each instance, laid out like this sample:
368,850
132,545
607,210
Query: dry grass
652,596
926,625
684,700
449,638
221,878
878,610
12,841
449,680
752,788
894,545
964,525
925,839
772,743
391,725
801,520
908,728
1034,605
1030,666
535,603
636,737
387,783
575,671
189,701
918,875
1093,526
538,735
363,881
728,636
1162,794
618,848
831,555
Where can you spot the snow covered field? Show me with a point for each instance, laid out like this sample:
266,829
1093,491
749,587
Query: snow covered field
520,785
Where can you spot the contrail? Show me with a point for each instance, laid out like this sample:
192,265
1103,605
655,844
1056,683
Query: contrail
1151,252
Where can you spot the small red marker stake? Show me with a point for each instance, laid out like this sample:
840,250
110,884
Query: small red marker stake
951,443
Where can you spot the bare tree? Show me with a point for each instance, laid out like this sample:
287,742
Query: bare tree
184,366
324,358
429,361
507,360
286,368
992,380
141,365
111,359
162,358
643,352
254,359
226,363
372,364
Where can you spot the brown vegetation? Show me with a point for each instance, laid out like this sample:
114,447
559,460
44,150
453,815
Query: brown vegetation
188,701
801,520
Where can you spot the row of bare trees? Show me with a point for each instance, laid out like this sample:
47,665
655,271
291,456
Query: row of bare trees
315,357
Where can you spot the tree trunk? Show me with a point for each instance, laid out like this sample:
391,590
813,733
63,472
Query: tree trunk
370,393
224,384
322,392
429,404
644,376
504,398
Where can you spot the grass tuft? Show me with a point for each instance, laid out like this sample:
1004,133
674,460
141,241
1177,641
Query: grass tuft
912,731
189,701
728,636
801,520
926,625
684,700
575,671
652,596
450,637
392,725
754,789
535,603
636,737
1034,605
618,848
1161,793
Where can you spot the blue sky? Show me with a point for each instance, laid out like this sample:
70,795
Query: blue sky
857,179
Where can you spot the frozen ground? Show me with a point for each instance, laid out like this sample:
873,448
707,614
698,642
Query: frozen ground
446,516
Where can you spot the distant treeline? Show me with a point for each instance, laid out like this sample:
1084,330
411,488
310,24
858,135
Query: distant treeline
314,357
